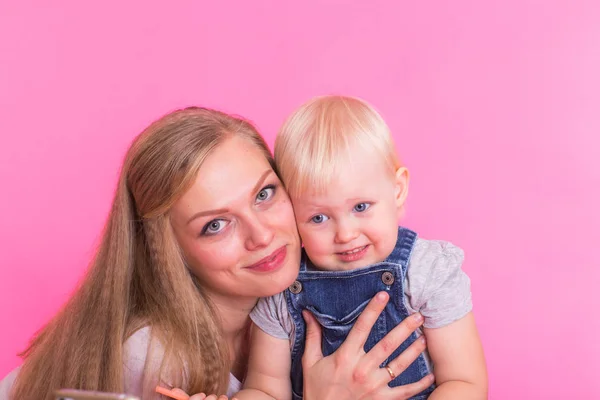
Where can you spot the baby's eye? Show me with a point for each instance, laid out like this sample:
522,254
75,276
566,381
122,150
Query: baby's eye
319,218
213,227
361,207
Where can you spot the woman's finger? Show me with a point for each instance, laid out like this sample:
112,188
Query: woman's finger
391,341
199,396
399,364
407,391
360,331
312,351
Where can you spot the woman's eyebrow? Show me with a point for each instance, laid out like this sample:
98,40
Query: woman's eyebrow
258,185
261,180
207,212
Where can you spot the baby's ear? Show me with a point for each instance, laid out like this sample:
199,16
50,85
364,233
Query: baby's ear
402,178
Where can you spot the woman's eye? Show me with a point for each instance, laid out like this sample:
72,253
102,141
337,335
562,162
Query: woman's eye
361,207
266,193
319,218
213,227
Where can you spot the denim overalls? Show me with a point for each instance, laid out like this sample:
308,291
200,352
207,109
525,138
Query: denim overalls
336,298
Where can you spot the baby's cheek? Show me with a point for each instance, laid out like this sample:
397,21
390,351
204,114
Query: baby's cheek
312,245
305,232
388,242
318,258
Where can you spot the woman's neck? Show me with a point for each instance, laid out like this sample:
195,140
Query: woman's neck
234,315
235,322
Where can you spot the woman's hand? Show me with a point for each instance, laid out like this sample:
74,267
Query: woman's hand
350,373
181,395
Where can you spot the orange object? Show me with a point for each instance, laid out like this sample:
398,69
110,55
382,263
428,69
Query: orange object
170,393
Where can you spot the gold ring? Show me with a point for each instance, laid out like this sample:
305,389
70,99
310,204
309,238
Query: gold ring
392,374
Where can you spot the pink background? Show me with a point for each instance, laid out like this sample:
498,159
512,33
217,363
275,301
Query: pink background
494,105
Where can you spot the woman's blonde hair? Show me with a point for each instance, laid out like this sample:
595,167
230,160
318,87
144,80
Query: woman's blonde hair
317,138
138,276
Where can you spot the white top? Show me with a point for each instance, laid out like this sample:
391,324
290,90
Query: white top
136,350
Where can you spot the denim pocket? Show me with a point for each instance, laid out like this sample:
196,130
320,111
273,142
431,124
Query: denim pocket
327,320
335,329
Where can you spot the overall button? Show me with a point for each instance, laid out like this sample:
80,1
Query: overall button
387,278
296,287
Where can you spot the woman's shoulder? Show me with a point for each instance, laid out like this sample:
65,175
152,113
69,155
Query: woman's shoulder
137,344
136,351
7,382
142,354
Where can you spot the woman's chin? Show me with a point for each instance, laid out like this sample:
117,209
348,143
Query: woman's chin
283,278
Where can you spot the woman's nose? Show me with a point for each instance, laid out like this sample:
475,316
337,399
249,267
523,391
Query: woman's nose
260,234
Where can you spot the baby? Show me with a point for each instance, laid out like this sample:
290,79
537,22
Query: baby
337,160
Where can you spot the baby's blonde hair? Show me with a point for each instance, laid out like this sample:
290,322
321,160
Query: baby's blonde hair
315,141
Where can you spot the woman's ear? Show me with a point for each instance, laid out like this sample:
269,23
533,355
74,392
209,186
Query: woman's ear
402,178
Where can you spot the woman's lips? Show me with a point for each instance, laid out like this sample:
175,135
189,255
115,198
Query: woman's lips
272,262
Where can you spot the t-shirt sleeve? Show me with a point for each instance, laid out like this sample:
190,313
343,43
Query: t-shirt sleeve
272,316
436,286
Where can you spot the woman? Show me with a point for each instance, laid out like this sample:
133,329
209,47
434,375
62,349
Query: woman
199,229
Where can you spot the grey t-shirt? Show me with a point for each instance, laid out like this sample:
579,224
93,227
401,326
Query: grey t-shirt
435,285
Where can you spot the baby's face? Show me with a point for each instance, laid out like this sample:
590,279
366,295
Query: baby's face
354,222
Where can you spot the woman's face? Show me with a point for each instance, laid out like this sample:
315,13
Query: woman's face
236,225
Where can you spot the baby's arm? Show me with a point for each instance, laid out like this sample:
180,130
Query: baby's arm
268,368
458,361
441,291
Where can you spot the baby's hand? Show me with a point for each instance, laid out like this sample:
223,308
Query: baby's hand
179,394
